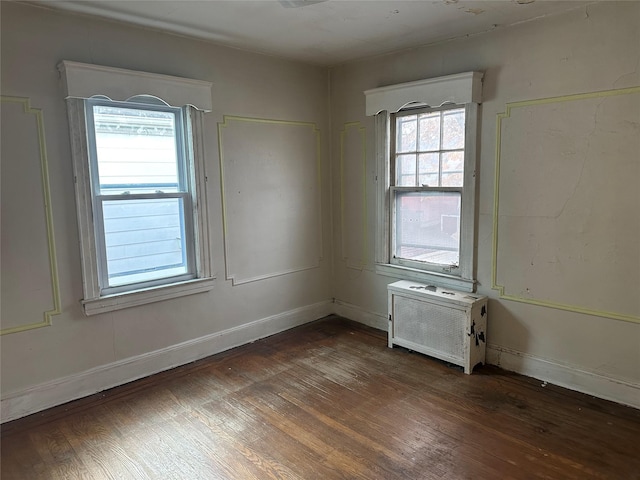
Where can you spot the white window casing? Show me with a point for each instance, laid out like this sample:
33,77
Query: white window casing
459,89
465,90
81,82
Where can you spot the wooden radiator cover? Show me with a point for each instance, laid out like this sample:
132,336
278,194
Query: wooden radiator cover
438,322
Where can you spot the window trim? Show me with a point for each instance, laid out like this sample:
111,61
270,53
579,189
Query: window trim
462,90
94,302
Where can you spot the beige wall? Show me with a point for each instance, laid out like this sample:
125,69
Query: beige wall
84,353
583,51
555,206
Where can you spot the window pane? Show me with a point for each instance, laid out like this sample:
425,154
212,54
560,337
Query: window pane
452,169
144,239
406,131
406,176
429,131
429,169
136,150
452,180
430,180
453,129
428,227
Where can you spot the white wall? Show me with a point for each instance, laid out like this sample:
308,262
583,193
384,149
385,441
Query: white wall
78,355
568,227
583,51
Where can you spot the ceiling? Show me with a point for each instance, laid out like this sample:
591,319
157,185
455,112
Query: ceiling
322,32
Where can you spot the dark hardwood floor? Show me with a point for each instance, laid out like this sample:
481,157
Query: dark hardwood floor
323,401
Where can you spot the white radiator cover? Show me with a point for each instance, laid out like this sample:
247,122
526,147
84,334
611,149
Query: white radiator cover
438,322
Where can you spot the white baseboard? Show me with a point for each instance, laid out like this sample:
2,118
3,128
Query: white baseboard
40,397
56,392
357,314
563,375
550,371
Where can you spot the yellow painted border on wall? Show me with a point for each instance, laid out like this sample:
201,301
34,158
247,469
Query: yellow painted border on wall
496,205
225,123
362,131
46,194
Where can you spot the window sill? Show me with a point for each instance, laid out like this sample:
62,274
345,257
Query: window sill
119,301
431,278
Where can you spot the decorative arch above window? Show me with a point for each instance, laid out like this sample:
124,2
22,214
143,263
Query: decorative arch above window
458,89
83,80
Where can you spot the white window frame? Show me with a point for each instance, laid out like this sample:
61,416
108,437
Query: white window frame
84,81
185,190
462,90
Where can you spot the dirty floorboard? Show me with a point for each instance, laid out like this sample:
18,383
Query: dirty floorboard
322,401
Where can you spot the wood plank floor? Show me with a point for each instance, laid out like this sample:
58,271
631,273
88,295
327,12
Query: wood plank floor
326,400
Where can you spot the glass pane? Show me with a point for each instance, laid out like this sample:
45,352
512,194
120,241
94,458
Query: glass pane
144,239
406,176
136,150
429,168
428,227
452,169
430,131
429,180
452,180
453,129
406,131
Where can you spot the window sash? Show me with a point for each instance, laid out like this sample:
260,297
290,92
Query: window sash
187,243
396,192
395,153
179,135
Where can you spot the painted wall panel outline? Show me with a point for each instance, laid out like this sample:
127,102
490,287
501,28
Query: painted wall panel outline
348,129
46,193
230,274
496,210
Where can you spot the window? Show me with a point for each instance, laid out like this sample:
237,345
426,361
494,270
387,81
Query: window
428,162
140,185
426,150
141,194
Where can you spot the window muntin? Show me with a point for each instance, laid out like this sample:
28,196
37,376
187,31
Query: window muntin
427,180
141,194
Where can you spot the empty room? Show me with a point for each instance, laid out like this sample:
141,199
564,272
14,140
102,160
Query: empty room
320,239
